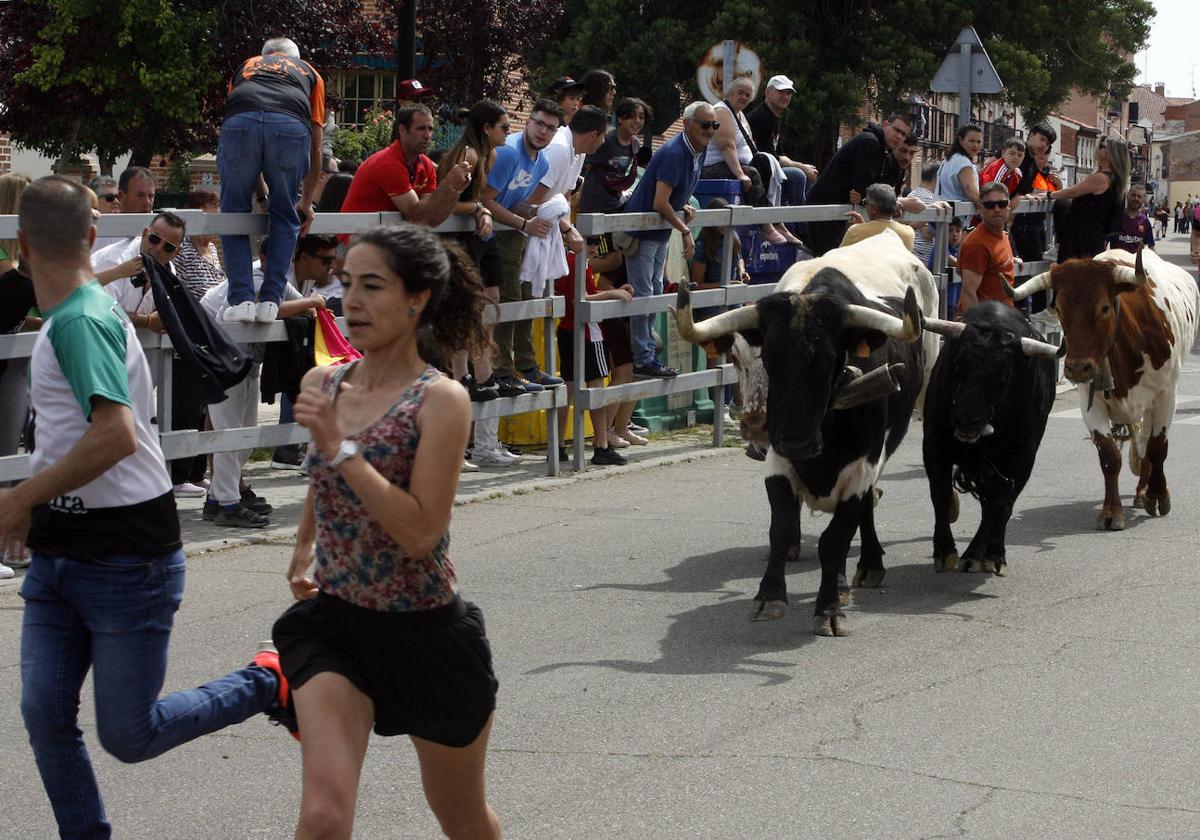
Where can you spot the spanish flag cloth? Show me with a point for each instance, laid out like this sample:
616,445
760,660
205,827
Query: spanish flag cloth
330,346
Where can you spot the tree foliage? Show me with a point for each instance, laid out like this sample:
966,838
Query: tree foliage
842,53
149,76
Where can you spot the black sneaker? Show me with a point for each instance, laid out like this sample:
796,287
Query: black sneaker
481,391
655,370
252,501
527,386
608,457
288,458
540,377
210,510
240,517
507,385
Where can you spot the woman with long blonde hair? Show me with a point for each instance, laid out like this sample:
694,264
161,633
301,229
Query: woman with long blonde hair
1096,202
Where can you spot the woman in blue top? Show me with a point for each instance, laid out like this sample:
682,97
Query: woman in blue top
958,179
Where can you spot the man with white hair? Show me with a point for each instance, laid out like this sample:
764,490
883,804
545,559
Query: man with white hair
274,115
667,184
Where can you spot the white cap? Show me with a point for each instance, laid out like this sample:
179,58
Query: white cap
781,83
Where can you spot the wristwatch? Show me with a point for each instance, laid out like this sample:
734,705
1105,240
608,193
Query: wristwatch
346,451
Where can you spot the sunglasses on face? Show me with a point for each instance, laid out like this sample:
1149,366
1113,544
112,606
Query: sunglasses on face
993,205
109,197
709,125
169,247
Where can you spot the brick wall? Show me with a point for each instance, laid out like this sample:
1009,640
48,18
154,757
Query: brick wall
5,154
1185,158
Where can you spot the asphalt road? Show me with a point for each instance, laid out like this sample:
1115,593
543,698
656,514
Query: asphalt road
638,700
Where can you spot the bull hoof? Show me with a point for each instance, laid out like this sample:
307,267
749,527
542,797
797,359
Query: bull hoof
1000,566
1156,506
831,625
1108,521
955,508
869,578
945,562
974,565
768,610
1139,502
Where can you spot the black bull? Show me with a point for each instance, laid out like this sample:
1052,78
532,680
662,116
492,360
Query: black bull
828,444
985,412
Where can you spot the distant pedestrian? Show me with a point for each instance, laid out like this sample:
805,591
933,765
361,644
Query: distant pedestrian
381,638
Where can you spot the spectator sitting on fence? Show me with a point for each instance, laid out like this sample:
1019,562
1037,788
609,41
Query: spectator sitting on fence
119,267
731,154
854,167
666,188
881,206
958,179
231,503
765,122
595,358
402,178
1007,168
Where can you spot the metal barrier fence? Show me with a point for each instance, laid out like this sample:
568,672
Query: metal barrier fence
184,443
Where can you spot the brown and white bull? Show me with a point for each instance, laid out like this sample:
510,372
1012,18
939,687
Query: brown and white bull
1128,322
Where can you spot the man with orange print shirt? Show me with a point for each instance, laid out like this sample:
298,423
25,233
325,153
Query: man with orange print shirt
985,259
274,114
401,177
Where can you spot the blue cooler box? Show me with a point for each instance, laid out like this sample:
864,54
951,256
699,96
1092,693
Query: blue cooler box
765,261
710,188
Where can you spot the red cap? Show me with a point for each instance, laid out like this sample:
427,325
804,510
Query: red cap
412,89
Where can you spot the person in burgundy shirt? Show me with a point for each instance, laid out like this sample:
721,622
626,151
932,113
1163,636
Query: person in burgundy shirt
985,259
402,178
1136,229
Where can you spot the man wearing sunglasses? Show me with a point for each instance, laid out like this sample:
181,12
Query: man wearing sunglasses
108,200
114,266
985,260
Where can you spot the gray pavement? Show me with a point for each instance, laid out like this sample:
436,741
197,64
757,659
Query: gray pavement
638,700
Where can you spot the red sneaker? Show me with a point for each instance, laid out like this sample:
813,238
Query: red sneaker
280,712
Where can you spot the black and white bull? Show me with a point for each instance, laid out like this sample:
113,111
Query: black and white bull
985,413
830,433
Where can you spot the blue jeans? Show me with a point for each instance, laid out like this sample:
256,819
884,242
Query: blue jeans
278,147
644,270
795,187
113,616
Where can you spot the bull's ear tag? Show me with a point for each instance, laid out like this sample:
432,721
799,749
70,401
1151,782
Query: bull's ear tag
863,350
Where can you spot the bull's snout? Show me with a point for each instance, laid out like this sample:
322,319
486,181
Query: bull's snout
1079,370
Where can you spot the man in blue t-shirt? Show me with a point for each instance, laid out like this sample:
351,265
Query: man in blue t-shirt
519,168
665,188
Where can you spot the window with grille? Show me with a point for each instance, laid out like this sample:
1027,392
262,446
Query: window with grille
363,91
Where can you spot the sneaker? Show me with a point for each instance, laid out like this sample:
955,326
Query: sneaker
253,501
288,458
241,313
528,387
497,457
607,458
508,447
540,377
240,517
727,418
480,393
280,712
204,482
187,490
655,370
6,572
209,512
469,467
632,437
266,312
616,441
507,385
636,429
17,562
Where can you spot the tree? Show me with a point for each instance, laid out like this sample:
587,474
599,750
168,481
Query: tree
844,53
148,76
477,49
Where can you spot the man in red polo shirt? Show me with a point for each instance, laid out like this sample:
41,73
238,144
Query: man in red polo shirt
402,177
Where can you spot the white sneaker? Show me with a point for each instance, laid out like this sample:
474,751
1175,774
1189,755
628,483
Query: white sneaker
266,312
497,457
469,467
241,313
615,441
6,572
728,420
632,437
187,490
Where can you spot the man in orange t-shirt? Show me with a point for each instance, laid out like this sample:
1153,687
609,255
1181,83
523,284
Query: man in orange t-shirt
274,118
985,260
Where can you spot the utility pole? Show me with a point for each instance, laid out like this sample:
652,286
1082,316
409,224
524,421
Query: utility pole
406,40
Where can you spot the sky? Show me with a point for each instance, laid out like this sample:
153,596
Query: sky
1172,56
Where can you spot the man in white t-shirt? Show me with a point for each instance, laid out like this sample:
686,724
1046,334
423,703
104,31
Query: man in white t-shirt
565,154
108,566
118,266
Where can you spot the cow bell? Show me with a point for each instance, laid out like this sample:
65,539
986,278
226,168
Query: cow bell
864,388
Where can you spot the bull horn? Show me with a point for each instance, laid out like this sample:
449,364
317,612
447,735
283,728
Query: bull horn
1132,277
1039,349
881,382
907,328
1038,283
742,318
950,329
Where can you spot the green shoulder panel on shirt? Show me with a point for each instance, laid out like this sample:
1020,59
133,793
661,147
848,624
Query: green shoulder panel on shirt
88,337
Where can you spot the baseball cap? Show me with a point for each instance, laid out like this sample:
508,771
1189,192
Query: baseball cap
781,83
563,84
412,89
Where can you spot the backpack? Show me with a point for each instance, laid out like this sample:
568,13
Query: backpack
198,340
